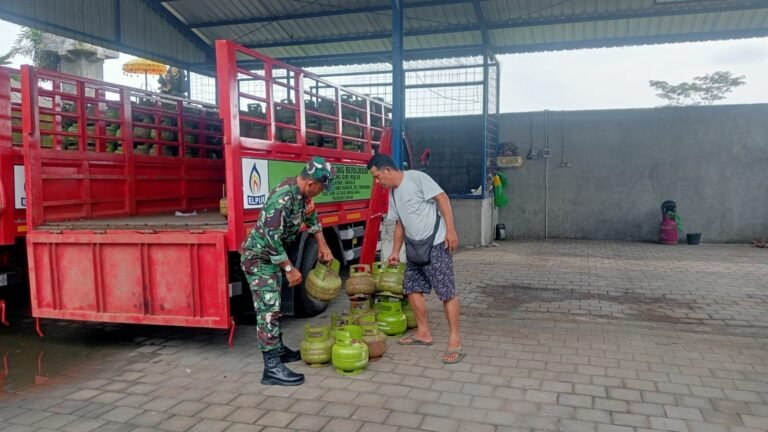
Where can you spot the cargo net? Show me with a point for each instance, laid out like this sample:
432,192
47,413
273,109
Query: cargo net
492,124
202,88
15,103
442,87
334,118
87,115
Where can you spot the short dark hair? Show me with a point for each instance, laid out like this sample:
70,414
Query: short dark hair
381,161
305,175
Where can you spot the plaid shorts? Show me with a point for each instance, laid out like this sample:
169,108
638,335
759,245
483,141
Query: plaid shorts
437,275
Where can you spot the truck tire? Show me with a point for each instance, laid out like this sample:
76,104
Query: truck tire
305,305
241,306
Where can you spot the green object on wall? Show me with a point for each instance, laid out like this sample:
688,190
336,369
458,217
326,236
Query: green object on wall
499,182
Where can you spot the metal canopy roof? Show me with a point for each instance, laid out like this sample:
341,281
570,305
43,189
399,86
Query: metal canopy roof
332,32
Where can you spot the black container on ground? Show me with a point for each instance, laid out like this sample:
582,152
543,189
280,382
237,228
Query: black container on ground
501,232
694,238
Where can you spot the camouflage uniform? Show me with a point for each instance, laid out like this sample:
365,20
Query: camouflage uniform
280,221
279,224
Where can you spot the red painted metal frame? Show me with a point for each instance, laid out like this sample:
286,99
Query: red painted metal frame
236,70
378,209
4,371
12,220
88,181
166,277
3,321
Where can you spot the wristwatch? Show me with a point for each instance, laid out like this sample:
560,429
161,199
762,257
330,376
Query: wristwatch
288,268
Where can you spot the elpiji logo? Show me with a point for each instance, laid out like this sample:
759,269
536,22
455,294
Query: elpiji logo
256,198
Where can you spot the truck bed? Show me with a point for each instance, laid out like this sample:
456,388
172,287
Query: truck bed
210,220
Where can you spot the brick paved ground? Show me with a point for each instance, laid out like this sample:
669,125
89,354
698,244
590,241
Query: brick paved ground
561,336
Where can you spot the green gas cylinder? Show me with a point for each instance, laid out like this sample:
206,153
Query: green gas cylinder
391,280
391,318
354,330
385,297
338,322
349,356
359,306
323,282
359,303
376,272
360,281
316,347
356,317
409,315
71,142
373,337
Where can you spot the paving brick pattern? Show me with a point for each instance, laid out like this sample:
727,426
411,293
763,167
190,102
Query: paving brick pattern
560,336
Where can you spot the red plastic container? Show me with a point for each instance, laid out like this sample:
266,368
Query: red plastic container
668,231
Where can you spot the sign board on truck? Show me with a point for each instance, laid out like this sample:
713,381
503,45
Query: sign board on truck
353,182
20,196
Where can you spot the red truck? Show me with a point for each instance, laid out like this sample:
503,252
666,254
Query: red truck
124,187
12,197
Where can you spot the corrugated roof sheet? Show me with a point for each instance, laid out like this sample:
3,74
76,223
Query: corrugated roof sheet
343,31
131,26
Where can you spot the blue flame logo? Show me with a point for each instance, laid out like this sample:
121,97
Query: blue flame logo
255,180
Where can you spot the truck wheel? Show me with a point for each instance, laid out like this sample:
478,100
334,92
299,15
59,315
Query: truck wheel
305,305
241,306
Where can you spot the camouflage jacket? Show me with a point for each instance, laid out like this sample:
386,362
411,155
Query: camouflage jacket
279,222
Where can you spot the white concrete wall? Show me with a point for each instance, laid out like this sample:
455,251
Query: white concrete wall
474,220
610,171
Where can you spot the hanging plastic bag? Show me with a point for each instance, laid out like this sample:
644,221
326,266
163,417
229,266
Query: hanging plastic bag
499,182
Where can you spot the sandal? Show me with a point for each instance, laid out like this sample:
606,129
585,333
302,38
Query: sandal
458,352
411,340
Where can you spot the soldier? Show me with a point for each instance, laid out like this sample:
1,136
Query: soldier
263,258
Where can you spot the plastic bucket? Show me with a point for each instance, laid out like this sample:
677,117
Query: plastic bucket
693,238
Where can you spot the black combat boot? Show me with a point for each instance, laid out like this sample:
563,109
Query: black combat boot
275,372
287,355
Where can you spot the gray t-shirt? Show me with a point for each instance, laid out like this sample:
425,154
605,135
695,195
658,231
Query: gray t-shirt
414,205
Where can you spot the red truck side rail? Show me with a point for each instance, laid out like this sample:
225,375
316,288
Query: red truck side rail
277,112
377,209
115,151
12,201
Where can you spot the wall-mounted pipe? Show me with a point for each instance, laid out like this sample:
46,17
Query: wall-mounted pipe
546,174
563,162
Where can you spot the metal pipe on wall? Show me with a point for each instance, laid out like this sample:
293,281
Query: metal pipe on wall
546,173
398,83
484,184
563,163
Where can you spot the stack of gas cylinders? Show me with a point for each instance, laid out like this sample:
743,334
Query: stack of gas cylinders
377,310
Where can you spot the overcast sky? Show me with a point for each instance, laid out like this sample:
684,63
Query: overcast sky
618,77
584,79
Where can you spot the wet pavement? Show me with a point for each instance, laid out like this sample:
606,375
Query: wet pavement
559,335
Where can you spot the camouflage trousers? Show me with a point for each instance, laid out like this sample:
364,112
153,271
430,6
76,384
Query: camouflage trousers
265,280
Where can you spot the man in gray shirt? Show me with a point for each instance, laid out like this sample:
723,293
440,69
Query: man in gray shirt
413,202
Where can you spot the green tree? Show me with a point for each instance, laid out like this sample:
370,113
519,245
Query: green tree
703,90
29,43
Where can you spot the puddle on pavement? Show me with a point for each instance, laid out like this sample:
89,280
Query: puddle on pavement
628,307
28,360
637,307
